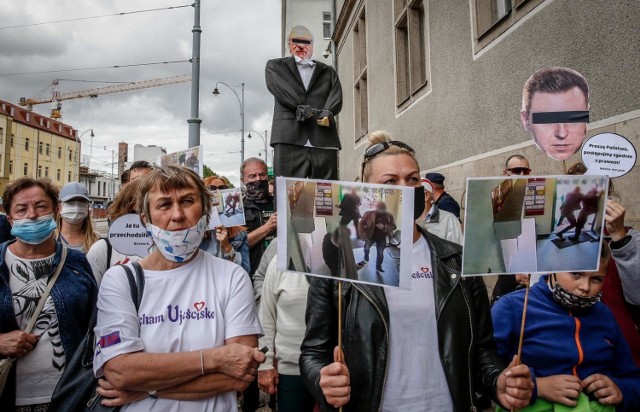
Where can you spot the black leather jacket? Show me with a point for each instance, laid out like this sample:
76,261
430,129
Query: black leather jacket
465,334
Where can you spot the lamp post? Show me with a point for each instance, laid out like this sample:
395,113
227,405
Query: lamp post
78,149
216,92
265,140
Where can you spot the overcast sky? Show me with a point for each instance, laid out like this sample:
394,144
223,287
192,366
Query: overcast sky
238,38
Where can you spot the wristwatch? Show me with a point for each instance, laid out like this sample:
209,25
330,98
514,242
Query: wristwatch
153,394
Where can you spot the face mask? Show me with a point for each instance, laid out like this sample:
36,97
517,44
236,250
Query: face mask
569,300
74,212
418,202
33,231
178,245
257,191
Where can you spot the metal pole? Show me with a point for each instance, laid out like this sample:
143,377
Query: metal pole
266,159
113,162
194,121
242,117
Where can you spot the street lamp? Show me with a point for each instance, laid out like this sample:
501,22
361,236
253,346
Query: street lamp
78,148
216,92
264,139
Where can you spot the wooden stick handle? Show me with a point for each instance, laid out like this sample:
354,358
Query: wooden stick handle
340,326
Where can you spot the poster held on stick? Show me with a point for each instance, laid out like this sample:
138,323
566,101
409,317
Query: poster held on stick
608,154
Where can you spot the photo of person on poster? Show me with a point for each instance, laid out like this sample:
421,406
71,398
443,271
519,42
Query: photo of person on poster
555,110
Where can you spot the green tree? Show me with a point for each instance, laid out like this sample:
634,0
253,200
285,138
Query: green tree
208,172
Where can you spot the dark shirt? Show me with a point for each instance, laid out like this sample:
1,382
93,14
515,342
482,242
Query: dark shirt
256,215
448,203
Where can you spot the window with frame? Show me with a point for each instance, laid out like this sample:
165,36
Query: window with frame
39,171
26,144
98,188
360,90
104,188
40,147
26,169
47,149
69,176
70,154
412,51
58,175
326,25
10,166
59,154
46,171
494,17
12,135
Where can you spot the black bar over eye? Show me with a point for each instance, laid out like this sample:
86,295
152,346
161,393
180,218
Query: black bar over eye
581,116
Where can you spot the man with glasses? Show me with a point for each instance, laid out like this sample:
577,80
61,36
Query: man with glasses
516,165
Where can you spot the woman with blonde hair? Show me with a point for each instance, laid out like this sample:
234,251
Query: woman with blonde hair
230,243
75,226
427,348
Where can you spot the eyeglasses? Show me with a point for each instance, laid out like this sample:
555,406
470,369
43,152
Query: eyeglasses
378,148
221,187
519,171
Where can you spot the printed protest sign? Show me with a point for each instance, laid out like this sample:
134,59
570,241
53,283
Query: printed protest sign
190,158
608,154
354,232
128,236
533,224
228,207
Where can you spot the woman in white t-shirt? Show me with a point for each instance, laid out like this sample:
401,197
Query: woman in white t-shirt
192,343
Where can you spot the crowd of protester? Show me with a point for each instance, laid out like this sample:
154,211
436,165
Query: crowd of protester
211,296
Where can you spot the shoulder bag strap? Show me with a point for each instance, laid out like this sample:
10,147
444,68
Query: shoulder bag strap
136,285
45,294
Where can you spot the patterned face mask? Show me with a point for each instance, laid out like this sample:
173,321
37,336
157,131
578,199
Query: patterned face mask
571,301
257,191
178,245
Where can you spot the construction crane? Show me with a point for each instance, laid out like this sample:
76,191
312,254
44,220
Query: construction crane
57,97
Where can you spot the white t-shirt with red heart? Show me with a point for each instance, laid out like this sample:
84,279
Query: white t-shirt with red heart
196,306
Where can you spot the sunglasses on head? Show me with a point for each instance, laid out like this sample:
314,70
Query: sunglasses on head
378,148
519,171
221,187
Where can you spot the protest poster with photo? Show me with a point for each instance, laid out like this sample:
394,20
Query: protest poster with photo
533,224
190,158
128,235
228,206
350,231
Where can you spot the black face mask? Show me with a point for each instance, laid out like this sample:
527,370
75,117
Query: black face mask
257,191
418,202
569,300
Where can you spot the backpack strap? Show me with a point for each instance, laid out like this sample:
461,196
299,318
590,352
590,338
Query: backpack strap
136,285
109,252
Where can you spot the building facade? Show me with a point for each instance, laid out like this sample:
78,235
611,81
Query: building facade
36,146
446,77
314,15
101,186
149,153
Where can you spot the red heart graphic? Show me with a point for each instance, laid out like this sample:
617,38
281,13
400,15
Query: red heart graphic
424,269
199,306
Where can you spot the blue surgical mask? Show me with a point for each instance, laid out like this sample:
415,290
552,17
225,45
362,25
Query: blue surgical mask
34,231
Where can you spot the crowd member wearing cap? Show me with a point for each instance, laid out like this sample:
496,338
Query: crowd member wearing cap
572,342
26,266
307,96
427,348
442,199
439,222
75,227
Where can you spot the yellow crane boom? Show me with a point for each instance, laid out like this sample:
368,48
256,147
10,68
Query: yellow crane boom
57,97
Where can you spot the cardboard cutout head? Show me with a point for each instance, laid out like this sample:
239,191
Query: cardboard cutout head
555,110
300,42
